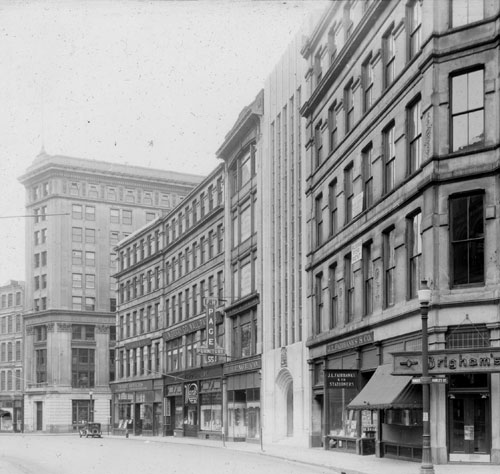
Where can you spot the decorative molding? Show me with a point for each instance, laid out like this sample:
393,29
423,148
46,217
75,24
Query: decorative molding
30,330
50,327
102,328
64,327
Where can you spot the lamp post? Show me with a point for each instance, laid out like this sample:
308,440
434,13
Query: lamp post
424,298
91,411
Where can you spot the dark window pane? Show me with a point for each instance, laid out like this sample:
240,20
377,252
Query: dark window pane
476,226
460,263
459,218
476,262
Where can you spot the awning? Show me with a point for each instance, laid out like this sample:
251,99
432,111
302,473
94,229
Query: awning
384,390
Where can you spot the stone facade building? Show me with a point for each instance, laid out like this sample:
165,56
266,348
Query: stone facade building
402,163
80,209
170,272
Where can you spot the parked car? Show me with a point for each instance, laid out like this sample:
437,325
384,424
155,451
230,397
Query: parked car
91,429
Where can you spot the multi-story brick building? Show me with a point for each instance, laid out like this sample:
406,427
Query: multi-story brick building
242,154
11,356
168,270
80,209
402,186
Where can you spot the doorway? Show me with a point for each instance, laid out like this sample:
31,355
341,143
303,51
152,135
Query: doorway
469,424
39,416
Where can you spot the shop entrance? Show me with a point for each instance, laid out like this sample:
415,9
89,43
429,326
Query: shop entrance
469,420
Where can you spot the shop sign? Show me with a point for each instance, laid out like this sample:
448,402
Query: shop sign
132,386
448,362
192,326
335,379
173,390
242,366
192,393
210,386
351,343
135,344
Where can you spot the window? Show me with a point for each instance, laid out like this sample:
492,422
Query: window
41,365
76,257
90,259
90,236
464,12
414,136
89,303
89,281
332,126
77,303
77,280
332,287
113,237
220,239
241,172
37,237
129,196
467,109
90,213
467,239
73,189
76,211
367,83
150,216
319,220
348,23
148,198
389,267
389,57
43,283
82,367
114,216
245,219
389,151
317,70
414,248
366,156
18,350
220,286
318,294
43,256
43,236
348,107
415,27
37,283
93,193
81,332
76,234
244,332
367,279
40,333
348,192
318,144
349,288
127,217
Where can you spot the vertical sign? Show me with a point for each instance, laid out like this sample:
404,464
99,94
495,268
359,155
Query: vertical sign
210,304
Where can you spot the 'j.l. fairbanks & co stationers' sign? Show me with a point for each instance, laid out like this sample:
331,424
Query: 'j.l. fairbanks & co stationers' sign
448,362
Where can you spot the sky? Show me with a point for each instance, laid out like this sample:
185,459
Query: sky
149,83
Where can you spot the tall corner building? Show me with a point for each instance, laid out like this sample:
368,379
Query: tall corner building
402,139
79,211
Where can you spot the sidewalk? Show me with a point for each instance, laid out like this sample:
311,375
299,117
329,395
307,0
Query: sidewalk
335,461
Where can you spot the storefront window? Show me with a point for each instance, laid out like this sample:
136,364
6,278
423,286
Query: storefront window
211,410
244,413
179,413
342,421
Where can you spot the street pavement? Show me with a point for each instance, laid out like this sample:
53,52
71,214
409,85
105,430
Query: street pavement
337,462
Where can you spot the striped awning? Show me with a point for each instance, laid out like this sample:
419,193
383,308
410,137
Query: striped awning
384,390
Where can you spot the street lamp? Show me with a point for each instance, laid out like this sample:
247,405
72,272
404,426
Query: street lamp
91,412
424,298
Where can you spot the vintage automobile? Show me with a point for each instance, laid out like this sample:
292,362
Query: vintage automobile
91,429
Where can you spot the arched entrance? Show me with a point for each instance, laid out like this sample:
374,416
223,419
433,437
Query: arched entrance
284,403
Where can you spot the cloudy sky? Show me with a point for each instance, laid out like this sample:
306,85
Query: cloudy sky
152,83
